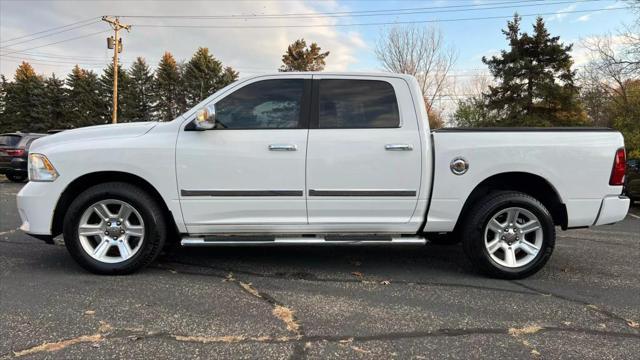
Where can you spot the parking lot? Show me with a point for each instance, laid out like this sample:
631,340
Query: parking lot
412,302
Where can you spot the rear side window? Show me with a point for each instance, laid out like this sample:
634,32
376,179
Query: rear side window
9,140
357,104
267,104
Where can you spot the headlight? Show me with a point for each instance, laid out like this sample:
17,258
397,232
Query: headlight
40,168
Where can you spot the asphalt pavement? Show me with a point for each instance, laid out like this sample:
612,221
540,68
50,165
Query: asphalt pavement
411,302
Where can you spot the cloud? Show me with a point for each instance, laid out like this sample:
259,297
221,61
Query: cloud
562,13
248,50
584,18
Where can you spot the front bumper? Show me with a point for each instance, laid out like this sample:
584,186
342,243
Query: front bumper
613,209
36,205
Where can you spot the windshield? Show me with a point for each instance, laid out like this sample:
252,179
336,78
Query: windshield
9,140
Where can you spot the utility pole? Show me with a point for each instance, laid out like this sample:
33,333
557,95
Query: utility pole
115,43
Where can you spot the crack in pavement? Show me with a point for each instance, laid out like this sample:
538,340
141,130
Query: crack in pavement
107,332
313,278
279,310
609,314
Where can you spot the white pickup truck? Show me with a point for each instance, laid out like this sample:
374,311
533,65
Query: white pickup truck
319,159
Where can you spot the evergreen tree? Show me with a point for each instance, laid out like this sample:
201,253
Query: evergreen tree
168,94
4,84
299,57
536,84
84,106
24,108
55,102
106,94
139,93
203,75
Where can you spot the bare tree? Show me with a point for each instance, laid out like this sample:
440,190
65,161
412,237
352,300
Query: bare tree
421,52
609,67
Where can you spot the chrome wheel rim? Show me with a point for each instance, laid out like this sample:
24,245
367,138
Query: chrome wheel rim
513,237
111,231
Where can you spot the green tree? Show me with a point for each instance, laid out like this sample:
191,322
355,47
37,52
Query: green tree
106,94
204,75
473,112
139,93
624,109
4,84
535,80
84,106
55,102
167,84
24,108
299,57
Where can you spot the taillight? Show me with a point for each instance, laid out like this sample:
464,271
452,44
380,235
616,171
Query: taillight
619,167
18,152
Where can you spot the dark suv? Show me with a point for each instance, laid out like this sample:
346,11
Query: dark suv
632,180
14,149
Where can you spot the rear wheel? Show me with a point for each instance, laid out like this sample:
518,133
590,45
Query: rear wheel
18,178
114,228
508,235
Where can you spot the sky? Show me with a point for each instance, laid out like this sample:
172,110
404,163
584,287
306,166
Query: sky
255,45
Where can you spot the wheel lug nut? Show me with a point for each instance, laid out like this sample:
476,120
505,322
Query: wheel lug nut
118,223
106,233
108,224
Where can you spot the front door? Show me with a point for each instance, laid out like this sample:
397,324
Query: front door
364,155
249,169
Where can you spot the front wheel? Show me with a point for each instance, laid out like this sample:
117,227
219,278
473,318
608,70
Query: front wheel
114,228
508,235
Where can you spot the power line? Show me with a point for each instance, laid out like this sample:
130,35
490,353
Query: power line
57,42
51,29
50,34
370,24
381,12
56,56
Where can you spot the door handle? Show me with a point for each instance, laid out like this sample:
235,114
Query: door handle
398,147
282,147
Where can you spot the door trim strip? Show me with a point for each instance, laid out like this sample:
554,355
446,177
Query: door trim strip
362,193
241,192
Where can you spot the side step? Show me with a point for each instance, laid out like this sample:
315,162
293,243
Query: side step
329,240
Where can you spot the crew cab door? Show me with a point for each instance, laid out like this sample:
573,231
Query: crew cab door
364,155
249,169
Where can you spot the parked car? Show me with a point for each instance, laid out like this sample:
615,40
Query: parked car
14,148
632,180
319,159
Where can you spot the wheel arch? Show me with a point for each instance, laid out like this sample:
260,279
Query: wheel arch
85,181
528,183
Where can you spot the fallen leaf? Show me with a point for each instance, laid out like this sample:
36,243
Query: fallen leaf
385,282
357,274
532,329
90,312
360,350
633,324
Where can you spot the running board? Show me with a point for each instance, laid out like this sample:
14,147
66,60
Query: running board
330,240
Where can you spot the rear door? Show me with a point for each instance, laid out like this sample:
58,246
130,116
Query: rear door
364,155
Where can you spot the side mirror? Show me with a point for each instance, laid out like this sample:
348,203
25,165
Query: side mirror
205,118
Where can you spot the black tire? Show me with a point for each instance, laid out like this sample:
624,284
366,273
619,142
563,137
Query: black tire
155,232
473,234
17,178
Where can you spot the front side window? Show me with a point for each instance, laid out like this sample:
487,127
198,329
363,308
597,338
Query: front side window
267,104
357,104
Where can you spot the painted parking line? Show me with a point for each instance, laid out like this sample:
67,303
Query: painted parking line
634,216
